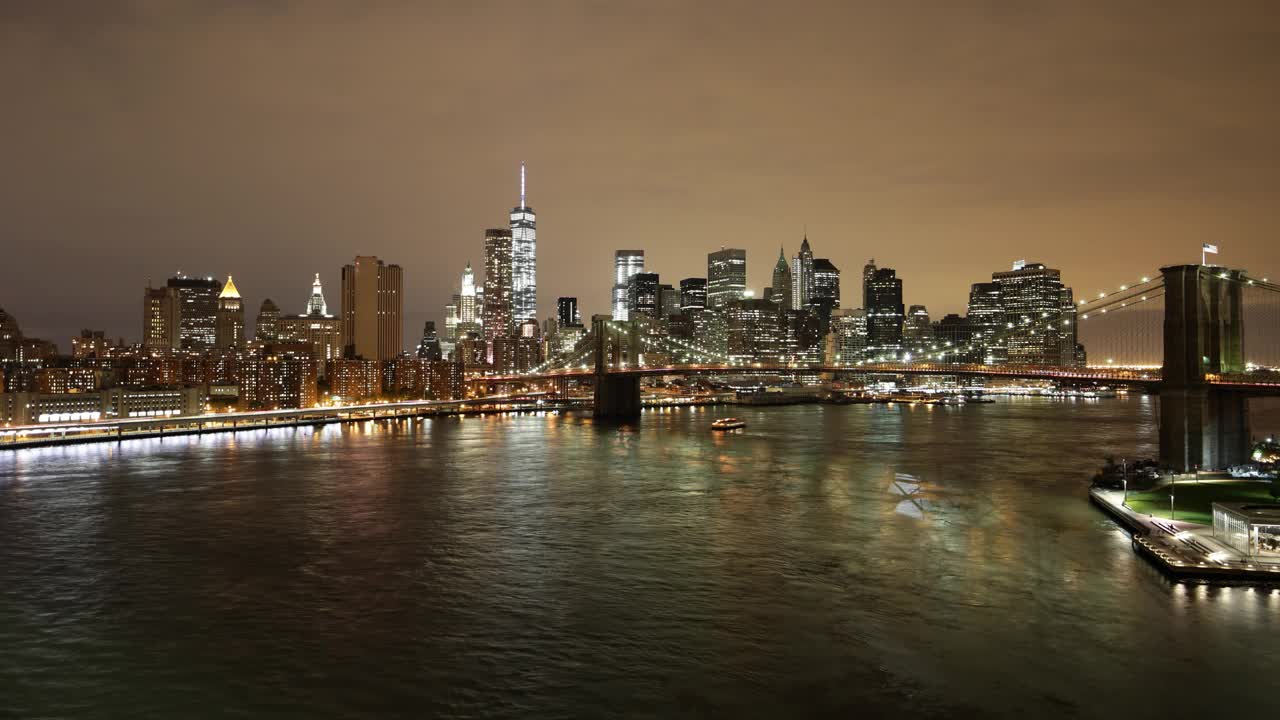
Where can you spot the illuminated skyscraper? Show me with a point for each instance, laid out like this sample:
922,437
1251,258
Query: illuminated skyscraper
802,276
429,346
754,331
847,337
230,317
372,302
1039,315
524,260
693,294
726,276
625,264
917,329
199,312
868,270
668,301
884,314
780,291
824,295
266,328
567,312
468,305
315,327
161,321
642,295
316,305
985,320
498,311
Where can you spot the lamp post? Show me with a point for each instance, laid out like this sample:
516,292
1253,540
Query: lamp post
1124,481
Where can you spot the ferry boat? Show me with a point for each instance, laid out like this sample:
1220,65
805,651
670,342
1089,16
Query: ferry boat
728,424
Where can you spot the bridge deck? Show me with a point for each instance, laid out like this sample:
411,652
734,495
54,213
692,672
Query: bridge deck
1261,385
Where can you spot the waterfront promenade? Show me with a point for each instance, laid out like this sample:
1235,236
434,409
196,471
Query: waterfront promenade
26,436
72,433
1184,550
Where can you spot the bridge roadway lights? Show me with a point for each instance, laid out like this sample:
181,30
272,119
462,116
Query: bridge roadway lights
617,396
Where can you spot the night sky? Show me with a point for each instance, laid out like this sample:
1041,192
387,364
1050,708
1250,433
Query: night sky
273,140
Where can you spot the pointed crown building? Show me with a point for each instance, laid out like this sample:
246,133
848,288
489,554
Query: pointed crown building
229,331
780,291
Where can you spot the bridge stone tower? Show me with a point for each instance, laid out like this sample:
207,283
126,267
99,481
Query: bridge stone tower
1202,426
617,394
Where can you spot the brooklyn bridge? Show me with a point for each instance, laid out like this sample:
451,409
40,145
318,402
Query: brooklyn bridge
1215,338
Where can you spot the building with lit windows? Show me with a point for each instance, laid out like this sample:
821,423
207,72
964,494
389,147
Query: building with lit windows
917,328
161,318
884,315
693,294
451,322
419,378
726,277
30,408
322,332
198,310
354,380
94,344
163,369
10,336
952,334
824,295
625,264
754,331
985,317
524,260
802,276
567,314
229,331
1038,315
429,346
372,303
1252,529
266,327
780,291
801,336
279,381
316,306
668,301
472,351
498,311
64,380
847,337
642,295
868,271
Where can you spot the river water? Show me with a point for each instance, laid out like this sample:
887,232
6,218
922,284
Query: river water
537,566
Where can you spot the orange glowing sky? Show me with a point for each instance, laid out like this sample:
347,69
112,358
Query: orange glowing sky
946,139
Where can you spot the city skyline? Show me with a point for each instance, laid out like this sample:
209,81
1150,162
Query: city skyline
1020,168
846,336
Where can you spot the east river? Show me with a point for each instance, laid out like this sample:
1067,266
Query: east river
538,566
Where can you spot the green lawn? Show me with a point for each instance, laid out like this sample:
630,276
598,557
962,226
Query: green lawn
1193,502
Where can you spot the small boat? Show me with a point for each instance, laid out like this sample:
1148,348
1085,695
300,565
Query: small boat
728,424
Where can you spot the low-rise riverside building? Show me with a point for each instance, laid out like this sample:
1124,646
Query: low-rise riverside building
1252,529
31,408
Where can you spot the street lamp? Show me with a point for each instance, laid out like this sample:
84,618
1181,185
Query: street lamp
1124,481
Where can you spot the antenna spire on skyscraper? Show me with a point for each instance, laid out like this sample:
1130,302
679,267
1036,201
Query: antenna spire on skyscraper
522,205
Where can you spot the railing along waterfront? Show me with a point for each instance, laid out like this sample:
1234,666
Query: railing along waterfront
72,432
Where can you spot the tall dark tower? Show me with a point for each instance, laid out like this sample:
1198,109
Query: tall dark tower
781,292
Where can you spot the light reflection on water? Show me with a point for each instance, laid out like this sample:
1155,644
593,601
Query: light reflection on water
549,565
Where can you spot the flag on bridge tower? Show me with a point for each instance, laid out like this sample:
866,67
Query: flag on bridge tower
1207,248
